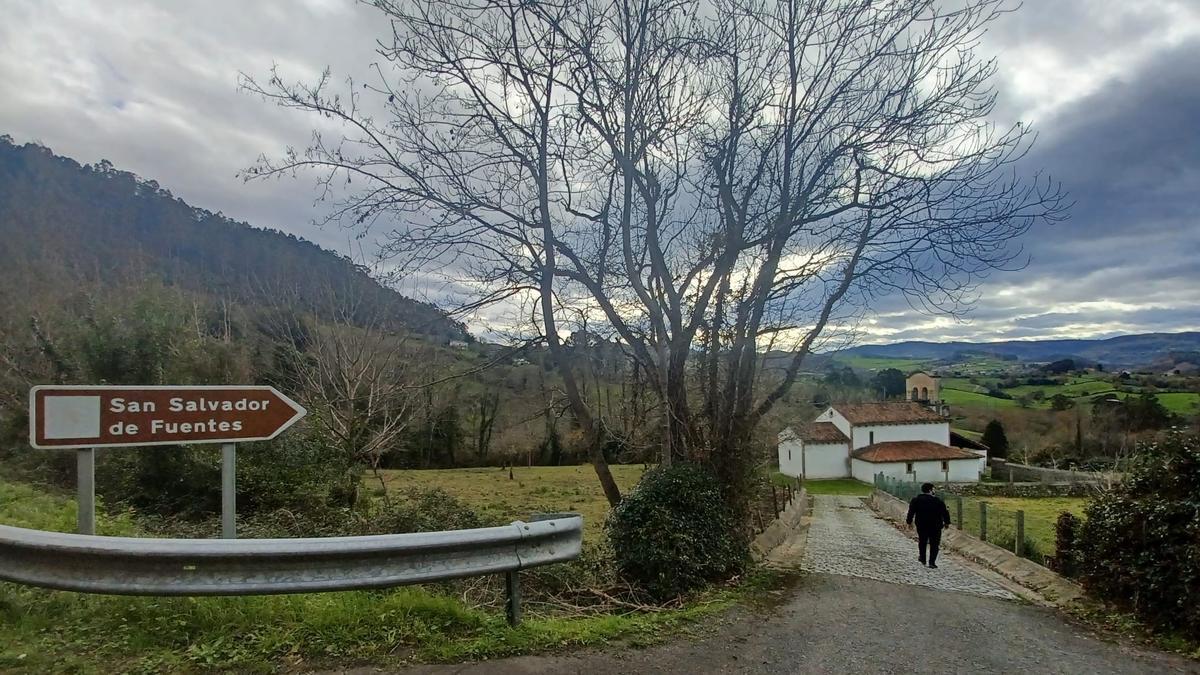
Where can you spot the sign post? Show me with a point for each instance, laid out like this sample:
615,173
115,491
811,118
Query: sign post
229,491
85,477
86,417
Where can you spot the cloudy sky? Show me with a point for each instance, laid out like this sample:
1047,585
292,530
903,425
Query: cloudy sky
1112,86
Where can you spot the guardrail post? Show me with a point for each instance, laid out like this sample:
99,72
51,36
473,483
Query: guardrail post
1019,547
958,513
983,521
512,606
85,478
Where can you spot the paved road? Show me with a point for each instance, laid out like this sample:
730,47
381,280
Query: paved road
848,538
868,607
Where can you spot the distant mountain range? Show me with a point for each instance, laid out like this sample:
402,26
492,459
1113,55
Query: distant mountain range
62,223
1123,351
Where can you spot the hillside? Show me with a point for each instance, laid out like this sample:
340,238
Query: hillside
1125,350
63,223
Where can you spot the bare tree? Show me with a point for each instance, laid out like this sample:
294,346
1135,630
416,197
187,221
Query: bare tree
711,178
360,381
484,409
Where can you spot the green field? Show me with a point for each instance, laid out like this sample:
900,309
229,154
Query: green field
539,489
838,486
1181,403
828,486
961,391
1041,516
960,397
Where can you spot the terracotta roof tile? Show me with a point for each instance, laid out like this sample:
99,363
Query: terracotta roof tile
888,412
823,432
910,451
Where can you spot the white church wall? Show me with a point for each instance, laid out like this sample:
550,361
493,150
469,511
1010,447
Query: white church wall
826,460
790,447
937,432
961,470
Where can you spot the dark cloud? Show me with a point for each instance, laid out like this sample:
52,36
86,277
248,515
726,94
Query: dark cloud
1113,86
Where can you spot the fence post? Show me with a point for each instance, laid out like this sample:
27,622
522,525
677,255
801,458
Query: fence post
512,606
775,500
983,521
959,514
1019,547
1010,475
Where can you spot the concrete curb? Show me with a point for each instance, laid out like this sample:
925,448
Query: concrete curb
781,528
1053,588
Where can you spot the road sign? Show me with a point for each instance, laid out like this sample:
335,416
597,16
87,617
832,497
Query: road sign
86,416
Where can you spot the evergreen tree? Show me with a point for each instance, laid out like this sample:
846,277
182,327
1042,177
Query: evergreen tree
994,438
889,382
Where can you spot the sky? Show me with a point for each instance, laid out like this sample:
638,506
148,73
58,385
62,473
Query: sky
1111,86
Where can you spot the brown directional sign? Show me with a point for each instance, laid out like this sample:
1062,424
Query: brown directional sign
89,417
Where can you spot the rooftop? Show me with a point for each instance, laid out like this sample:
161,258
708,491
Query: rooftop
822,432
960,441
910,451
888,412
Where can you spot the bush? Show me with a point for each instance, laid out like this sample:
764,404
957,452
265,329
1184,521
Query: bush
674,532
293,472
1066,543
1139,546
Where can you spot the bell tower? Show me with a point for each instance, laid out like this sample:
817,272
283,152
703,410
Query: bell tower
924,388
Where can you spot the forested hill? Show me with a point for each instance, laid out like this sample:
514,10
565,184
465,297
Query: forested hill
62,222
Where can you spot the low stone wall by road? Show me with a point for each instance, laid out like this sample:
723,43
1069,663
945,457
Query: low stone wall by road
1029,574
781,527
1005,470
1020,489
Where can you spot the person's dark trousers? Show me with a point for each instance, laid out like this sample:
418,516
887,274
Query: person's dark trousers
929,539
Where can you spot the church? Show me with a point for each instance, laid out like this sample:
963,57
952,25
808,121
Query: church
907,440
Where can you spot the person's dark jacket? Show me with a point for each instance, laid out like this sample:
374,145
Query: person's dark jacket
929,511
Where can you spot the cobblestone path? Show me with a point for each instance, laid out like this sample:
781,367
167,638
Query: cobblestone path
847,538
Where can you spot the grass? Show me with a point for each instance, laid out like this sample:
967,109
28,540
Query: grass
531,490
838,486
961,391
57,631
23,505
1181,403
960,397
1041,516
831,486
54,631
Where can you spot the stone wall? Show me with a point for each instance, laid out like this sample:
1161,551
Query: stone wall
779,529
1005,470
1019,489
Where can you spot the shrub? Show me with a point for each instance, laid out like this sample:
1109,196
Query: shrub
1139,546
1066,542
293,472
674,532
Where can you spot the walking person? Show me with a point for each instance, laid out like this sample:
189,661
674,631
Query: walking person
931,516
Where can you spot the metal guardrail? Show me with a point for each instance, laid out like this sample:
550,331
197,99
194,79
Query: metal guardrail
135,566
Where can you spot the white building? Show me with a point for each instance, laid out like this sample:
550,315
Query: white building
906,440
